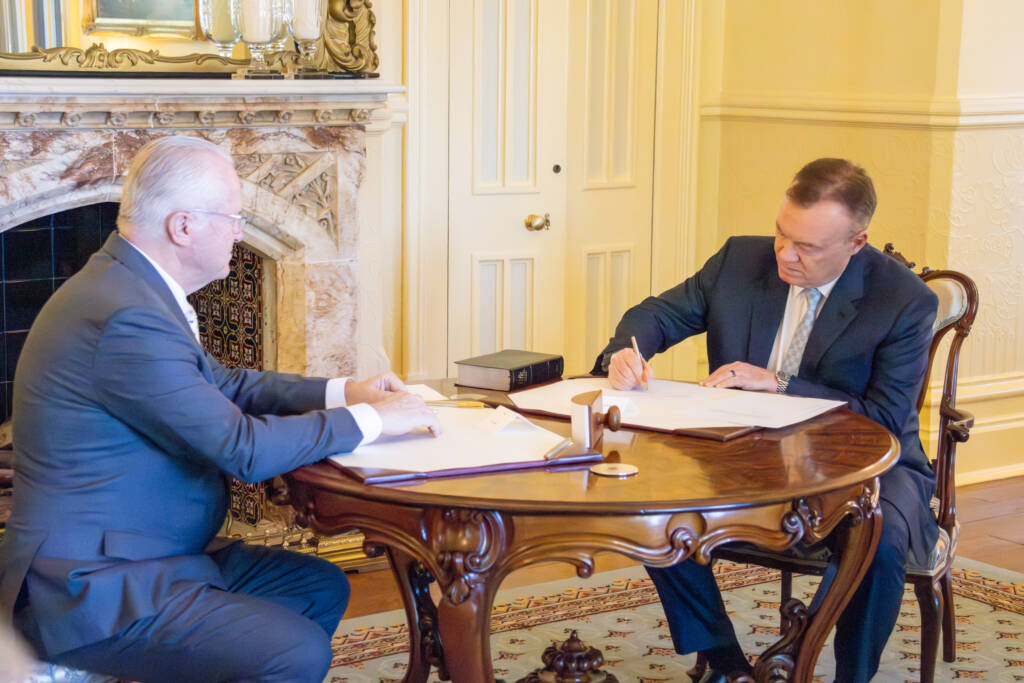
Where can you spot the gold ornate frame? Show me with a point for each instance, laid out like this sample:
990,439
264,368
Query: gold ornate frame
92,22
347,45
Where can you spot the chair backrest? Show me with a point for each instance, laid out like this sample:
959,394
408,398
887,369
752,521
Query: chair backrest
958,306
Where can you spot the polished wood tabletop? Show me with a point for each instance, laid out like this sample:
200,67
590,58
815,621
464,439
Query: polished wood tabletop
676,473
770,487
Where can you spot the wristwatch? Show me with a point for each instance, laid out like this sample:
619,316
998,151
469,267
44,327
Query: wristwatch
782,382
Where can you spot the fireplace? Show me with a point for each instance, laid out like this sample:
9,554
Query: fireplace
300,154
299,148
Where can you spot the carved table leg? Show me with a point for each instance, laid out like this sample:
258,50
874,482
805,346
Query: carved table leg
421,614
794,656
857,543
466,629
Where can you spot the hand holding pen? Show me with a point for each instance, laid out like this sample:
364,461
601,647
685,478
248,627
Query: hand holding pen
629,370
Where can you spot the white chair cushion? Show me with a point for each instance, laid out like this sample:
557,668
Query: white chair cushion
945,546
952,301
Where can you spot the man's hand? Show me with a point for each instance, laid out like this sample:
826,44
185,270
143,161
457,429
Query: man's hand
401,412
372,389
628,371
741,376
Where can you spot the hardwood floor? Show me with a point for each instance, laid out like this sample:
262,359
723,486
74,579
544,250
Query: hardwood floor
992,531
992,523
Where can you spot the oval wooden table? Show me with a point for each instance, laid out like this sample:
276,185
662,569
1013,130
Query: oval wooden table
772,488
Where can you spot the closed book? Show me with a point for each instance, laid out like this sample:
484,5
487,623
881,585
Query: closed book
509,370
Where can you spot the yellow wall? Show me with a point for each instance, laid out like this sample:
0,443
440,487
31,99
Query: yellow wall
929,98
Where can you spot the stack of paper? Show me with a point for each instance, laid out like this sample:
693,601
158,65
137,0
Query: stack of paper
471,439
670,405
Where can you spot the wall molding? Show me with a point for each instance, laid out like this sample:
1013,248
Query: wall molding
425,180
973,391
893,111
982,388
676,161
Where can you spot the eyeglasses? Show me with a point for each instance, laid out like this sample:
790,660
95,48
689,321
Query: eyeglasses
241,220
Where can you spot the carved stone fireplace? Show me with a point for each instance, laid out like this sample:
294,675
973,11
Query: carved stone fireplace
299,148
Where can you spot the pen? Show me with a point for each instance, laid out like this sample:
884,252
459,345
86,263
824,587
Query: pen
553,453
636,350
456,404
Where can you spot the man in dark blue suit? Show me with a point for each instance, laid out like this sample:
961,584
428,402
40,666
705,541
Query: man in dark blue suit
815,312
124,430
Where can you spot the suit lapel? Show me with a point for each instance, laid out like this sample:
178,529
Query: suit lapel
768,306
839,311
119,248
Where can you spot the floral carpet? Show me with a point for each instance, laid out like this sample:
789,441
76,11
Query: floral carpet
619,613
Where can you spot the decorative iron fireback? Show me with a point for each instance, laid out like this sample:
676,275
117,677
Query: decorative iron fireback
230,313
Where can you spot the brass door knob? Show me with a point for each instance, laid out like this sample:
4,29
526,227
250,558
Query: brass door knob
535,222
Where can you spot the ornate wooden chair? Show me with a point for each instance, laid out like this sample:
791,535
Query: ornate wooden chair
958,305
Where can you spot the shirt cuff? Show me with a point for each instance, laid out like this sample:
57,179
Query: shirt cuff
334,395
368,421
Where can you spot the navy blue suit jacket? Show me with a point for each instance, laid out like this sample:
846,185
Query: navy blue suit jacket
124,430
868,347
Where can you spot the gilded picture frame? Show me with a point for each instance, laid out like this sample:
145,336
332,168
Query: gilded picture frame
348,46
172,18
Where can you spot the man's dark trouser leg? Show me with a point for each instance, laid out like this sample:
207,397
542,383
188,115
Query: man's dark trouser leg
697,618
275,626
696,614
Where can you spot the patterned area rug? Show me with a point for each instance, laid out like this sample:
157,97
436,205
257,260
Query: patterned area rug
619,613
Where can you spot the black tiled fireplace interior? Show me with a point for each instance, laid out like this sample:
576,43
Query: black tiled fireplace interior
38,256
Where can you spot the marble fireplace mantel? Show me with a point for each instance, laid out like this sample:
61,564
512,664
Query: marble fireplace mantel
300,150
45,103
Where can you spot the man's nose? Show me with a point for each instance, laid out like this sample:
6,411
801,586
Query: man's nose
785,251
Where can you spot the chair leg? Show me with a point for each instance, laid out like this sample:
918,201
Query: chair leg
948,618
699,667
929,598
786,587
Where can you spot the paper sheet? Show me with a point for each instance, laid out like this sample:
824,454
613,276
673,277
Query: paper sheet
679,405
470,438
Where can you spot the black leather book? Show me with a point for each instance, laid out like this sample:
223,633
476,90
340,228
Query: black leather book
509,370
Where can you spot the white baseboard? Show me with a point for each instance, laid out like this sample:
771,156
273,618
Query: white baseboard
990,474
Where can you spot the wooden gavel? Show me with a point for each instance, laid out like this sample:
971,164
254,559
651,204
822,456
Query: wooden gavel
588,420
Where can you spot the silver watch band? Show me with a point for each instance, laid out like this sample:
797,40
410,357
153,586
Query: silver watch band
782,382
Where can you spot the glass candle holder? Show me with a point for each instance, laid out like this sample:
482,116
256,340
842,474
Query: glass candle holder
260,23
217,25
307,25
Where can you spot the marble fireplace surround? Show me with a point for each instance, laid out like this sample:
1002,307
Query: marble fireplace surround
300,150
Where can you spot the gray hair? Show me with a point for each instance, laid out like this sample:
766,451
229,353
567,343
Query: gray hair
168,175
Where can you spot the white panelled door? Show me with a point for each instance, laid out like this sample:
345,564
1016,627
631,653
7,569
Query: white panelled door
506,134
537,131
613,59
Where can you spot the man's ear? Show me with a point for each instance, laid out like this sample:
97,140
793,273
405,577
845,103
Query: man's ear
179,228
859,240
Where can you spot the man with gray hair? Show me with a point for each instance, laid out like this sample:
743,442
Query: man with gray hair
124,430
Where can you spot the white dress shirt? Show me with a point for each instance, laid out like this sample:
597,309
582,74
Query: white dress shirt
796,308
367,419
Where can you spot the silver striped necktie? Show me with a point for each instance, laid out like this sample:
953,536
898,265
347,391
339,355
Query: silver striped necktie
795,352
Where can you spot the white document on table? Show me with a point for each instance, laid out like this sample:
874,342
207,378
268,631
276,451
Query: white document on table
471,438
671,405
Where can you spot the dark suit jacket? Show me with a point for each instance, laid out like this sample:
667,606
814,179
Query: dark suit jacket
868,346
124,430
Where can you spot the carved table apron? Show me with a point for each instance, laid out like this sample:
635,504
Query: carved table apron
772,488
